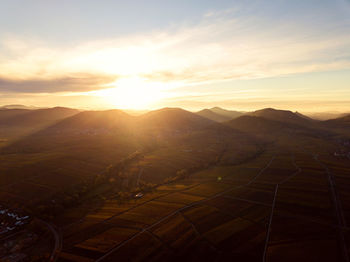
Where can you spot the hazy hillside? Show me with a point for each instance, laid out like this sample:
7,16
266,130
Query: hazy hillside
174,119
325,115
6,114
265,129
17,123
207,113
94,130
224,112
169,139
281,132
38,117
94,120
342,122
282,116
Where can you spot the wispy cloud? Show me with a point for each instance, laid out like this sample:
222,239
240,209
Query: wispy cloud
224,46
76,83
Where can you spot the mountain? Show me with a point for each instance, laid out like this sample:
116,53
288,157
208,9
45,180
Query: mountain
7,114
17,123
108,131
35,118
102,131
83,145
93,120
218,114
287,130
207,113
257,125
303,116
174,119
282,116
322,116
77,146
135,112
342,122
228,113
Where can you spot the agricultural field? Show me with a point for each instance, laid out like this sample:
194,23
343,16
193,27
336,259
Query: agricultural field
273,206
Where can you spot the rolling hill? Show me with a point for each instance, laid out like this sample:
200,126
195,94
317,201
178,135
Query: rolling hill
82,146
207,113
224,112
36,118
341,122
219,114
174,119
282,116
323,116
18,123
93,120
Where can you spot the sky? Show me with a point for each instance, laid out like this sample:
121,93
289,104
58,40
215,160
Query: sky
242,55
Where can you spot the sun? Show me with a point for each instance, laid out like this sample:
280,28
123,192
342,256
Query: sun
132,93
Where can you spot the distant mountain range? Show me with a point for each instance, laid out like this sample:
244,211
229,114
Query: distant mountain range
218,114
63,143
221,115
29,124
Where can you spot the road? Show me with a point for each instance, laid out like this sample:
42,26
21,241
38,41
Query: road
273,207
58,241
338,209
148,228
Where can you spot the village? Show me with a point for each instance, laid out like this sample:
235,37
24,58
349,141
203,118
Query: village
11,220
13,237
344,151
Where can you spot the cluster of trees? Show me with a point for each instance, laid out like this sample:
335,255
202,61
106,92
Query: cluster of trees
143,187
116,170
77,193
112,179
186,173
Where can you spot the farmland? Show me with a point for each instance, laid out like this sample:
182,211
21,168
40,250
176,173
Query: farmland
239,216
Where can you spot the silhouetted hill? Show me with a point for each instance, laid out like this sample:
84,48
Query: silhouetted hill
257,125
39,117
272,129
323,116
93,120
303,116
207,113
175,119
6,114
17,123
228,113
282,116
342,122
84,145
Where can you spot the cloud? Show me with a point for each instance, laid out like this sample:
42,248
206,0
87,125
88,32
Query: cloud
221,47
77,83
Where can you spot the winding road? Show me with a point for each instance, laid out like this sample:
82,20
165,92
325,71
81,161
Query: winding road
58,240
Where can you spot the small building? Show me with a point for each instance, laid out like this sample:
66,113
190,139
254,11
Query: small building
139,195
